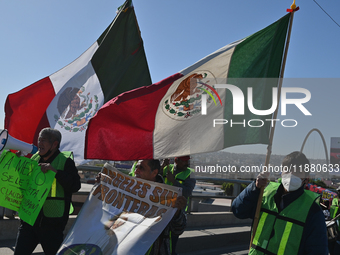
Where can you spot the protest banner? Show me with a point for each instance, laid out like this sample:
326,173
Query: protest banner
328,194
122,215
23,187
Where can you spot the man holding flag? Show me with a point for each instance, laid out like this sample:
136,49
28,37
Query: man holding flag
291,222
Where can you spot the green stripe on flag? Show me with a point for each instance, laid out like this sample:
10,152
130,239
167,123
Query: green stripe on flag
120,62
258,57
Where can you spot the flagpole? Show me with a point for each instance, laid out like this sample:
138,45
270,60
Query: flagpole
271,135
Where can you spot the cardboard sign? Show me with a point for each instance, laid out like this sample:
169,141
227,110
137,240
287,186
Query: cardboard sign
122,215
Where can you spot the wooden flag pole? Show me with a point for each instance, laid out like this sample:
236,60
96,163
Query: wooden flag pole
271,135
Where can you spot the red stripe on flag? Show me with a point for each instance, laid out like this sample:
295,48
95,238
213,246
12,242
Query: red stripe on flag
26,110
129,121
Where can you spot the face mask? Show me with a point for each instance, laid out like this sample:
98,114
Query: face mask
291,182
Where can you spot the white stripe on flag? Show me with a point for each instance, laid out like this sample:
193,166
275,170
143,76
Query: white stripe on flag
72,121
186,133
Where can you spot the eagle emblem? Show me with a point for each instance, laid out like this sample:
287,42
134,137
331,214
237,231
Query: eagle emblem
75,108
186,101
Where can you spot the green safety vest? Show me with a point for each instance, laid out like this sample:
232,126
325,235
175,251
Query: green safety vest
180,177
54,205
334,208
335,201
280,233
133,169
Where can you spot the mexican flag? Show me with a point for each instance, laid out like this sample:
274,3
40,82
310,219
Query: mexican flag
165,119
69,98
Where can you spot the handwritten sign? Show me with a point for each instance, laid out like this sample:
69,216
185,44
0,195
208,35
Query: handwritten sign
23,186
122,215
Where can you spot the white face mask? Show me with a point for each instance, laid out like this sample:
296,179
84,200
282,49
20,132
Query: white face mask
291,182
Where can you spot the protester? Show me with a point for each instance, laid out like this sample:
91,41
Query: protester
334,245
334,210
179,175
52,219
290,221
325,208
149,170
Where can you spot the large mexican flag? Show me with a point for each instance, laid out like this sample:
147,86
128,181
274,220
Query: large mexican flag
165,119
69,98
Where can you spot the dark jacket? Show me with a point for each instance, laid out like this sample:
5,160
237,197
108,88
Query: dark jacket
314,237
176,226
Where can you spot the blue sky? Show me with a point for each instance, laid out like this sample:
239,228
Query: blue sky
40,37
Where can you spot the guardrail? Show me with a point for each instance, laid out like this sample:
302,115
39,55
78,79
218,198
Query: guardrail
194,199
97,169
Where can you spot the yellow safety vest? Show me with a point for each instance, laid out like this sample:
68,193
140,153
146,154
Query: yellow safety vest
281,233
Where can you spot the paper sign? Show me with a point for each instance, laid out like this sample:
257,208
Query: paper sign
23,186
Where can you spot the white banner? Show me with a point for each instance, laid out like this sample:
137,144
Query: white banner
122,215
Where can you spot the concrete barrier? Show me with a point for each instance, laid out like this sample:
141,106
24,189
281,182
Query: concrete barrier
206,219
207,238
9,227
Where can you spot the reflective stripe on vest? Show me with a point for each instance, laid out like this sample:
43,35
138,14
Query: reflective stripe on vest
280,233
54,188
